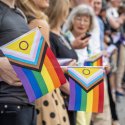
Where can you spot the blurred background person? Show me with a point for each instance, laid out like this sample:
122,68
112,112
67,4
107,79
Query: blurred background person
108,44
57,13
51,107
115,21
77,27
121,55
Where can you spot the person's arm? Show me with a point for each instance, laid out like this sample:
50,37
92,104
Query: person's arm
65,88
113,19
115,23
7,74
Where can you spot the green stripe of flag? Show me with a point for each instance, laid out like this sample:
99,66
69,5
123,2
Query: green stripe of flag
42,84
83,100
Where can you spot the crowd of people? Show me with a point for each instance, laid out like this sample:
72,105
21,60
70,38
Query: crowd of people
75,29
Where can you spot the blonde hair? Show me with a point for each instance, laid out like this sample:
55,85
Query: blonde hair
84,10
57,11
30,9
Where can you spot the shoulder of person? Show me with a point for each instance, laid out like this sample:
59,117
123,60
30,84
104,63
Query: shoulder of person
41,23
20,12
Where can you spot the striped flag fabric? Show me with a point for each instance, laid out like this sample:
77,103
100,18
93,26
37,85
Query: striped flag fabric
95,60
35,64
86,89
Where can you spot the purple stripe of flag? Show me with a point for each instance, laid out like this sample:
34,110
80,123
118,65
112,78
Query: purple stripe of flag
26,84
72,94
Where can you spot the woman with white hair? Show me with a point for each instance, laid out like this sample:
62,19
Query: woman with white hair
77,30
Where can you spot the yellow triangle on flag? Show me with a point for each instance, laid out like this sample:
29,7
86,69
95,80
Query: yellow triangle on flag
23,44
87,72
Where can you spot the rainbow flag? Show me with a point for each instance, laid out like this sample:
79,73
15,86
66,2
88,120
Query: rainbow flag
86,89
95,60
34,63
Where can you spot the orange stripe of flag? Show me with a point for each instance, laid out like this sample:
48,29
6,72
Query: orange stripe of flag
96,98
57,66
100,61
52,72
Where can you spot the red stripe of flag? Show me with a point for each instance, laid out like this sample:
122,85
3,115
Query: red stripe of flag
56,66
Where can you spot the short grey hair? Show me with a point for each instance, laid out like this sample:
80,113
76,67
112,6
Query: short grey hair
80,10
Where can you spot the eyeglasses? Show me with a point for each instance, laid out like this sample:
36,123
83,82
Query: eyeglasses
82,19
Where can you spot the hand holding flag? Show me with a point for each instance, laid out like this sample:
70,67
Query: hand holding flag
7,73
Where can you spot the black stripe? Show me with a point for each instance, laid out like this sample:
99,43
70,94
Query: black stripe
43,56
